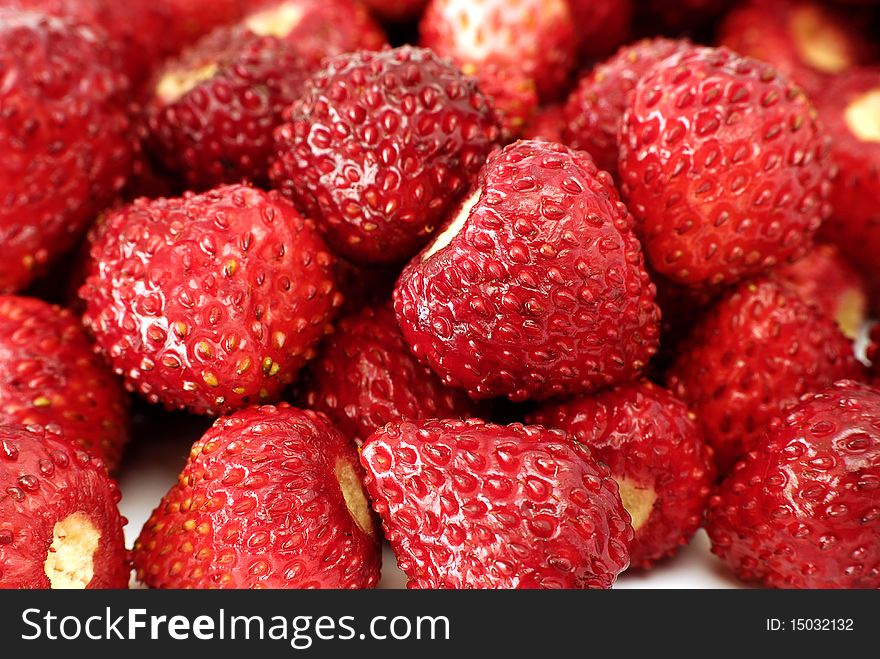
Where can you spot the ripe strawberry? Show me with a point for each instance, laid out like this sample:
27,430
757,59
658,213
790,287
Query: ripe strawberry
271,497
724,167
366,377
802,39
318,28
396,10
850,110
466,504
209,302
602,25
654,448
545,125
50,376
593,112
537,287
59,524
826,279
801,511
67,139
757,351
514,96
193,19
380,148
535,37
213,110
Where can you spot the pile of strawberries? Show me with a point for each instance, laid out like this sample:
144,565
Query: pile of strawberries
533,299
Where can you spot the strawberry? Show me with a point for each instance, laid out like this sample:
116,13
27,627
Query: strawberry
396,10
754,353
213,110
534,37
602,25
802,39
50,376
469,504
59,522
850,110
592,113
366,377
514,96
537,286
801,510
654,448
193,19
271,497
724,167
317,28
546,124
826,279
209,302
67,140
380,147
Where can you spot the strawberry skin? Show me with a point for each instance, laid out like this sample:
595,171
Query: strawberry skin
534,37
466,504
366,377
546,124
803,509
214,108
538,286
602,25
654,449
757,351
380,147
593,111
724,167
209,302
50,376
271,497
67,140
59,522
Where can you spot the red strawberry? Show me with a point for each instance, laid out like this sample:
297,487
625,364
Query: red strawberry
753,354
514,96
209,302
59,524
193,19
537,287
366,377
654,448
271,497
850,110
213,109
534,37
466,504
396,10
826,279
50,376
67,140
802,39
873,353
593,112
545,125
380,148
724,166
602,25
318,28
803,509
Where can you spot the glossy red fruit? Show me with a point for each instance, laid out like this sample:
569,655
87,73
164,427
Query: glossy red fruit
601,25
756,352
803,509
193,19
724,167
67,140
396,10
654,448
317,28
545,125
380,148
209,302
537,287
50,376
850,110
535,37
514,96
802,39
824,278
466,504
593,111
212,110
366,377
59,522
271,497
